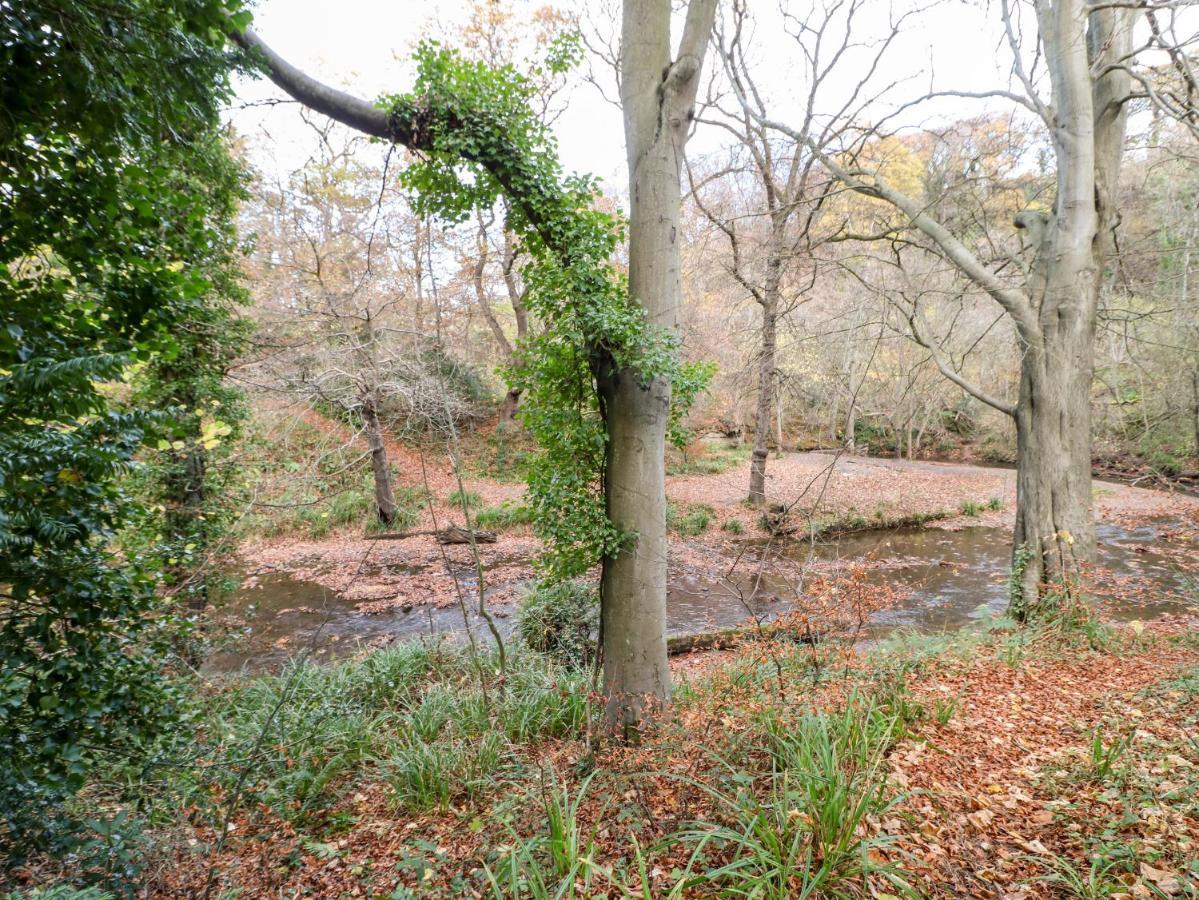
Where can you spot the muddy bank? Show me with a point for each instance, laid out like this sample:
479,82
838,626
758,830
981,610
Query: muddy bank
865,584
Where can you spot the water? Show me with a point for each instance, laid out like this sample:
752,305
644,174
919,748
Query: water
942,580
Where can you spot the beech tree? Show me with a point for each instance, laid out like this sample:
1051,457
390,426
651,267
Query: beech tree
618,342
657,92
1078,81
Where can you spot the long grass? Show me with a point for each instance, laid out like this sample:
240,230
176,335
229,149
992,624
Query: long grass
415,714
806,833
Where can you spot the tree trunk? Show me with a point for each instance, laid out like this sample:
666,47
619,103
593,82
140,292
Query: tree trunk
1195,406
385,504
766,385
1055,526
508,409
656,99
1054,517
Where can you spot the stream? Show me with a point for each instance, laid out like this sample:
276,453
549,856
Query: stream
943,580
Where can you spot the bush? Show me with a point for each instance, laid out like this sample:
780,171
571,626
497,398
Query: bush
561,621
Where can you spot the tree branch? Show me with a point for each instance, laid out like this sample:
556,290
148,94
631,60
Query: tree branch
949,372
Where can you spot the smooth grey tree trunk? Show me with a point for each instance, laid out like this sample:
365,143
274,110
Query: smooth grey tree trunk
657,93
1054,311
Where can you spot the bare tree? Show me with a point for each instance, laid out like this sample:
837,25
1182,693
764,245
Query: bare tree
774,244
1077,80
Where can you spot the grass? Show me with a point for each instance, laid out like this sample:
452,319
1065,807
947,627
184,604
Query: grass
689,519
507,515
708,458
973,508
414,715
805,835
460,497
784,796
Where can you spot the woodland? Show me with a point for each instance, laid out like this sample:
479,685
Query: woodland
810,509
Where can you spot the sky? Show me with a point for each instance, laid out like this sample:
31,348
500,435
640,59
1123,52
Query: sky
362,46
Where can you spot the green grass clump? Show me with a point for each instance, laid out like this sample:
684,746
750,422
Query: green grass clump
506,515
689,520
732,526
804,834
463,497
414,713
711,460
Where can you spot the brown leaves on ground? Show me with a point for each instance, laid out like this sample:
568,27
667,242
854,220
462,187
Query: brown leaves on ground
997,793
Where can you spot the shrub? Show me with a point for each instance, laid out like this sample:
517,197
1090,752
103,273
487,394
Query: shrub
561,620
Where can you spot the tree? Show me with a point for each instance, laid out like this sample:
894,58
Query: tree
657,92
1051,292
104,124
599,377
774,259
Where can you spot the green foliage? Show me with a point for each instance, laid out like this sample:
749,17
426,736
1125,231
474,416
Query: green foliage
413,714
732,526
506,515
484,142
192,473
690,380
1105,755
710,460
690,519
561,620
106,250
1017,602
809,836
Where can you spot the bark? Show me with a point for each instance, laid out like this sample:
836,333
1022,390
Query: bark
657,94
385,504
1054,311
1055,527
1195,406
767,381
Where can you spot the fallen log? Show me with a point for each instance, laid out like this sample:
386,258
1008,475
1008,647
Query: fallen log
453,534
728,637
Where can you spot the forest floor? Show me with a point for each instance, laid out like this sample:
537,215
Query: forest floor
991,761
1015,764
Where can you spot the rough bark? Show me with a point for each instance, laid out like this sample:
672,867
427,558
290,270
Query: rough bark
385,504
657,94
767,382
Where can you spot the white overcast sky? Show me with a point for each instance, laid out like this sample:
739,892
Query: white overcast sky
362,46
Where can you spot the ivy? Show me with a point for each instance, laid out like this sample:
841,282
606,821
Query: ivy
485,142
